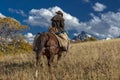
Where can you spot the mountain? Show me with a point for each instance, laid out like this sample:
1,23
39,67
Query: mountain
84,35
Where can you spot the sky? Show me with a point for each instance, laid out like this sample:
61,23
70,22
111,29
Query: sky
98,17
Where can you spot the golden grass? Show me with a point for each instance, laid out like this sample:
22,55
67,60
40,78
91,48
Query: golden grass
98,60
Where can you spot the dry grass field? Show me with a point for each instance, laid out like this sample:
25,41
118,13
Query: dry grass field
99,60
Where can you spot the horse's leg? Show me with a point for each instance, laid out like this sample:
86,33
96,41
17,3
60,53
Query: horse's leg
37,63
59,56
50,60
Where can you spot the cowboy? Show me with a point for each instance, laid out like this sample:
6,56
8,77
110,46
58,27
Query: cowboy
58,29
58,22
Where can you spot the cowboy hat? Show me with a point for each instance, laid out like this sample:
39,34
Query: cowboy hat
59,12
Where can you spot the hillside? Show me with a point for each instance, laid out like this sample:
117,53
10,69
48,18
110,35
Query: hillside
98,60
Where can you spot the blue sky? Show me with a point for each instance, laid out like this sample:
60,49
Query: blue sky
99,17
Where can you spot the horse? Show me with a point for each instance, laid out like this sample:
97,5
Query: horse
46,44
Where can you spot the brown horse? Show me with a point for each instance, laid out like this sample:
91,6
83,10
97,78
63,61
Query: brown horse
46,44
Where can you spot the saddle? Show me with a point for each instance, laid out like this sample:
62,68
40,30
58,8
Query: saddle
62,38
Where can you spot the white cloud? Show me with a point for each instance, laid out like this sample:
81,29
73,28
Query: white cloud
99,7
113,30
2,16
106,25
42,17
29,37
20,12
95,20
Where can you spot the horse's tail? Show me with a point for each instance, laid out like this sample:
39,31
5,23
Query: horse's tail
35,42
42,41
39,42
